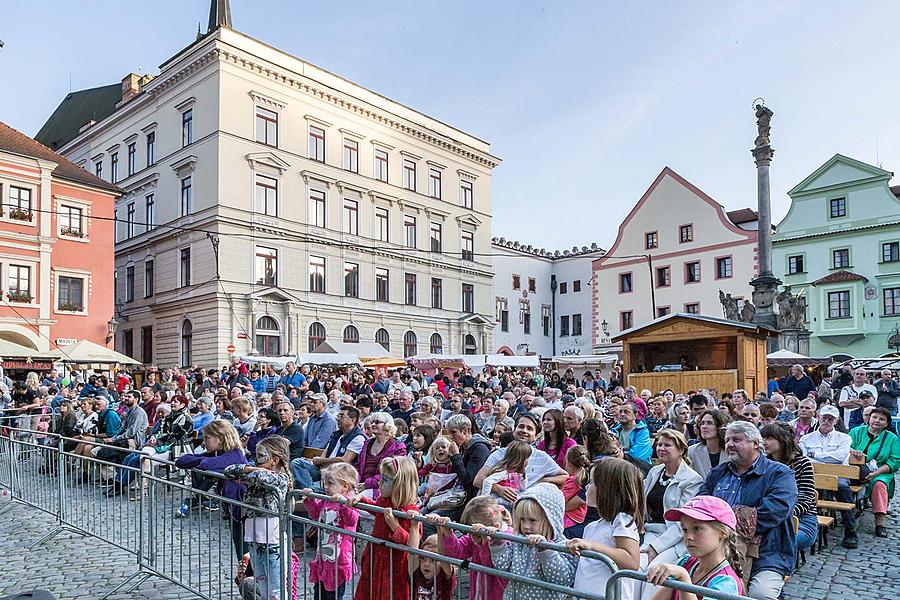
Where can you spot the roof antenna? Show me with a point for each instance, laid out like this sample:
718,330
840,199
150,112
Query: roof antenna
877,160
199,35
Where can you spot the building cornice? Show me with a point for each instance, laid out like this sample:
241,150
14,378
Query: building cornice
841,231
329,95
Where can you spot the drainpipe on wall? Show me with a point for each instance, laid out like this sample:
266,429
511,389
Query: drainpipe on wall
553,311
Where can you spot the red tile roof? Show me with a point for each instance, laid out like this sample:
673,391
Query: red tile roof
17,142
742,215
840,277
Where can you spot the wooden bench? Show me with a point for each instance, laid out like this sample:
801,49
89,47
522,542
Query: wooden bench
829,483
310,452
850,472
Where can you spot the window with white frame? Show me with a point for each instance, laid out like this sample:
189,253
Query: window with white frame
132,158
266,126
468,298
434,182
381,165
410,288
351,155
437,237
19,283
409,174
114,167
466,194
129,283
185,267
316,208
409,227
839,304
19,203
266,266
187,127
351,280
351,217
130,220
576,324
268,336
149,279
186,193
151,148
891,301
316,143
150,212
317,274
70,293
71,221
266,196
437,292
382,224
467,245
382,284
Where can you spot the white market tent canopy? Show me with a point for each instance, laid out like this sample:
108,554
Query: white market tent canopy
783,353
12,350
280,362
473,361
363,350
587,360
86,352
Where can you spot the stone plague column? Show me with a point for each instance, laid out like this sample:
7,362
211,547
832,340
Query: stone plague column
765,285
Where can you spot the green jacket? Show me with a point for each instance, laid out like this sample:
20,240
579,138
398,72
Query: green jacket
884,450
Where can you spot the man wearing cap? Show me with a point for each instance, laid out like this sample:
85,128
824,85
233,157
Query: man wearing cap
541,467
828,445
751,479
322,423
855,397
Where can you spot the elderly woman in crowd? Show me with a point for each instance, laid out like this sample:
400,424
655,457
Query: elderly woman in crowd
668,485
656,417
486,419
573,417
873,442
781,446
679,417
709,452
381,445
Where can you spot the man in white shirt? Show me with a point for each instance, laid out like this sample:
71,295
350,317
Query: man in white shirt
541,467
828,445
853,400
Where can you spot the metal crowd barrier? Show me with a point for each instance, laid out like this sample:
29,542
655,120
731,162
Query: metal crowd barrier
201,549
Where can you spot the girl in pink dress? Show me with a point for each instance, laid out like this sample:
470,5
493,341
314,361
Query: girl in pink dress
333,565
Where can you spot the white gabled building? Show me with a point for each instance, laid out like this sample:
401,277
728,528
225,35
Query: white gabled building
674,252
340,214
542,302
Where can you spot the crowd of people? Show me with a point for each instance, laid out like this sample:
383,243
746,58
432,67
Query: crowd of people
715,489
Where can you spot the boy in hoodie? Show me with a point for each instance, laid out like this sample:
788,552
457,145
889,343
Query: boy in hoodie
537,515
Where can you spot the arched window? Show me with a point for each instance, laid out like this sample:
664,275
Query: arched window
268,336
351,334
437,344
316,335
384,338
187,344
470,346
410,344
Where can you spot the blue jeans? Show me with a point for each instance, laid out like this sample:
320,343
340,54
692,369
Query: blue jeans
305,473
848,517
266,569
808,532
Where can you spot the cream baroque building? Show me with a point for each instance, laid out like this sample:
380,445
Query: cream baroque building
328,210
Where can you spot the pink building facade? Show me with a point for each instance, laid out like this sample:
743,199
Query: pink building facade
57,249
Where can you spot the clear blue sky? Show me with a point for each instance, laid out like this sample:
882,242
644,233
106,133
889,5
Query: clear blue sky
585,102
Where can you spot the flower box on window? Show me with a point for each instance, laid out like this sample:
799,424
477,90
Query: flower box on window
19,215
71,307
18,296
69,232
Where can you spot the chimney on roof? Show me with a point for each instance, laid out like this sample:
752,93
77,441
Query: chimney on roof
219,15
131,86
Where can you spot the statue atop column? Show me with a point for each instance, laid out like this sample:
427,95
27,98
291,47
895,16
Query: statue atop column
763,118
729,306
791,309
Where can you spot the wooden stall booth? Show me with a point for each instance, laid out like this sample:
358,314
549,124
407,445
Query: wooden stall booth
689,352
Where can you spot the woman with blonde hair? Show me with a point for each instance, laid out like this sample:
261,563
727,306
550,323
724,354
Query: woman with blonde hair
668,485
380,446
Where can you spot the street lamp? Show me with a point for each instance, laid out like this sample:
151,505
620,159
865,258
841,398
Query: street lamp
112,326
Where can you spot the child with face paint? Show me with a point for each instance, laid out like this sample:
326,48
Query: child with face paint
267,485
380,564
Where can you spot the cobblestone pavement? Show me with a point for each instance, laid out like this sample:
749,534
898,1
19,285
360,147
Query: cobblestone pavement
867,573
199,549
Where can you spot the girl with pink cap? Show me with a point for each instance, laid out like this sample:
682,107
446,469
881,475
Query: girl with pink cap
709,534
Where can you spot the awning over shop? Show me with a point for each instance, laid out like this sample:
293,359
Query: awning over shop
87,353
786,358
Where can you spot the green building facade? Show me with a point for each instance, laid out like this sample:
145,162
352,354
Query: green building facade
839,245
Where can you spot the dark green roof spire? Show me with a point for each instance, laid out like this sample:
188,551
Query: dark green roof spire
219,14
